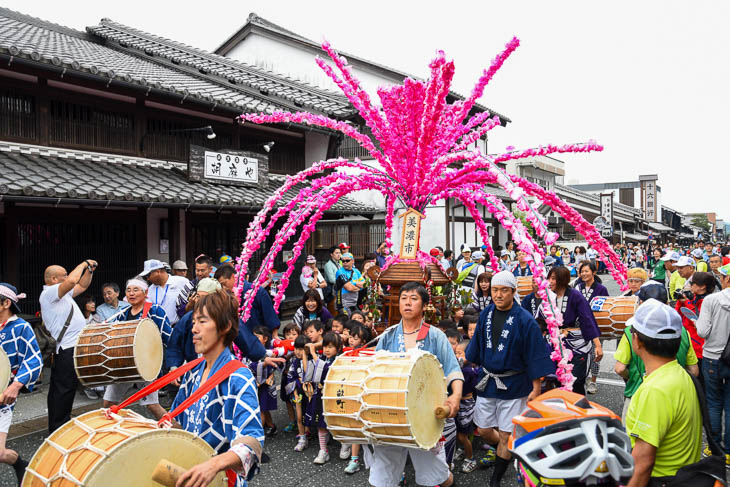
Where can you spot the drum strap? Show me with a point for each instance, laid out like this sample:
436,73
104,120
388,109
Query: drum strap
423,332
146,309
155,386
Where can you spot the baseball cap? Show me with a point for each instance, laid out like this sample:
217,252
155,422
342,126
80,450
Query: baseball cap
343,246
311,259
477,255
151,265
347,256
503,253
656,320
652,290
11,292
179,265
465,248
225,259
208,285
670,256
685,260
434,252
504,278
697,253
724,270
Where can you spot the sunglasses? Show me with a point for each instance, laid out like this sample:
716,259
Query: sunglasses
346,260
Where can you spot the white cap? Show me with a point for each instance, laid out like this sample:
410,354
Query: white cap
671,256
477,255
504,278
697,253
151,265
503,253
656,320
180,265
685,261
465,248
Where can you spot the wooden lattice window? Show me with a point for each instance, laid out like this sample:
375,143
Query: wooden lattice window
18,116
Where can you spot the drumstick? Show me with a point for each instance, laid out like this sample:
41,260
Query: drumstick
442,412
166,473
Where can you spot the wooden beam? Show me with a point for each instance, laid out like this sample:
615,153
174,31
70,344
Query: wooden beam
11,244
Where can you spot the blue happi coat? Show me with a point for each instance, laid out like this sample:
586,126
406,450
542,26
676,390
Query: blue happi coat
156,314
18,341
520,348
229,411
430,339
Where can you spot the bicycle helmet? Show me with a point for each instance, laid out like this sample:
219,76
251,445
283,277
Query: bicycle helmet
563,439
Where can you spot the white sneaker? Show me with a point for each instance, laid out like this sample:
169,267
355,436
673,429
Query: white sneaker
344,452
352,467
592,388
322,457
301,443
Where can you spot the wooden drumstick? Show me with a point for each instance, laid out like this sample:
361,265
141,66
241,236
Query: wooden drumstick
442,412
166,473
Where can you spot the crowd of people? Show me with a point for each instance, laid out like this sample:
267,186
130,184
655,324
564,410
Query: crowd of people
495,357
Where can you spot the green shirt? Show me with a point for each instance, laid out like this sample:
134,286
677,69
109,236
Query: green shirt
624,354
665,413
660,272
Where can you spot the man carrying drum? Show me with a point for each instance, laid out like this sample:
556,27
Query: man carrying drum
514,357
18,342
139,308
228,417
413,332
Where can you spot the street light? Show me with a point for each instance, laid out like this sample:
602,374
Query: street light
268,146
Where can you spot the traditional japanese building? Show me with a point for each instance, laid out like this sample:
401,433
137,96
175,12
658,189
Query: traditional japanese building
121,146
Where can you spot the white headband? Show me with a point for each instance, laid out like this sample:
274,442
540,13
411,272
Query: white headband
8,293
137,283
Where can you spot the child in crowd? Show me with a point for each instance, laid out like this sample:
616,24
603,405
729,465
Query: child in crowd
336,326
346,328
454,337
358,315
446,324
291,333
295,388
314,329
471,326
449,433
359,336
465,416
315,374
458,313
264,375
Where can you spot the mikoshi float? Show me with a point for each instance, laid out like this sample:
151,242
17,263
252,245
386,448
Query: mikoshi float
418,140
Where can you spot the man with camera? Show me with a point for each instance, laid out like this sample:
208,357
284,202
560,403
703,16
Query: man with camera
64,321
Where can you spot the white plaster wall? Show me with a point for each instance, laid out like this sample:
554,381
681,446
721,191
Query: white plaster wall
298,62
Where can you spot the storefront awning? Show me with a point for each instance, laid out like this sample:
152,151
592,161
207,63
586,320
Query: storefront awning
636,237
660,227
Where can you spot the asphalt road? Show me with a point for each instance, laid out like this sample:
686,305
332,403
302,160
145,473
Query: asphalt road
290,468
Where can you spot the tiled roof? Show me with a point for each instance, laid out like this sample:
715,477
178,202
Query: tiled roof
267,83
254,19
33,172
22,36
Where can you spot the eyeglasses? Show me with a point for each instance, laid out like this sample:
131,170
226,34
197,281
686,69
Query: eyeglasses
344,261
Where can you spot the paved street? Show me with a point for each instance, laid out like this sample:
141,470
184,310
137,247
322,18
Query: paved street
289,468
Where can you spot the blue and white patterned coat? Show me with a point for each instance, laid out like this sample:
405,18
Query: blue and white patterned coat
19,343
228,412
156,314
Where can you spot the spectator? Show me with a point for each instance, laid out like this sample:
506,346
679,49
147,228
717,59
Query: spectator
381,253
470,271
521,269
446,260
330,275
164,289
312,308
311,278
700,264
504,263
592,255
226,276
725,252
700,285
664,420
579,255
715,264
558,260
87,305
713,325
348,284
511,249
64,321
653,259
630,367
112,305
685,267
481,296
180,268
664,269
465,256
203,268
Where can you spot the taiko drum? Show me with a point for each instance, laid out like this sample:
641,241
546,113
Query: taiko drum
95,451
612,313
524,285
385,398
5,371
124,351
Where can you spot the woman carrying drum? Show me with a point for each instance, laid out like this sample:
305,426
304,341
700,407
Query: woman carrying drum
590,286
580,331
228,417
136,293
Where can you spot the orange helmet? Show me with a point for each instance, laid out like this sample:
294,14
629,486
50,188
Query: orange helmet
561,436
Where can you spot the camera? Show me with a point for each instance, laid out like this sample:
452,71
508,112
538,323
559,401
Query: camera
679,294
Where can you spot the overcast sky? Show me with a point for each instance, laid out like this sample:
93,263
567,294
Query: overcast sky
648,79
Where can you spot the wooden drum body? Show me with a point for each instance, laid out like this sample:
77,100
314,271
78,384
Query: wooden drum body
125,351
385,398
524,285
5,371
94,451
612,313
